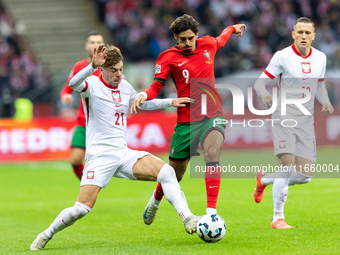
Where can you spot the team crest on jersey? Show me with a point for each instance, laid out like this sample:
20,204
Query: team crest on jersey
282,144
207,54
306,68
116,96
90,175
158,68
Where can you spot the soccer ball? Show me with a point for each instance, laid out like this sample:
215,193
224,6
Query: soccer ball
211,228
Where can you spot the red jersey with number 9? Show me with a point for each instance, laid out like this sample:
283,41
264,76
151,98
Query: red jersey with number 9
193,75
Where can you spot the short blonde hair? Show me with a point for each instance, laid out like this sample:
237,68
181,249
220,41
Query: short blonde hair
304,20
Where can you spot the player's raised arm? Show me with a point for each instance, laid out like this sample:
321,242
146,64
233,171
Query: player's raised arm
77,82
226,33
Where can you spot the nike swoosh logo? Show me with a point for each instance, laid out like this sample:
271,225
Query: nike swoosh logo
144,216
182,63
211,187
304,79
118,105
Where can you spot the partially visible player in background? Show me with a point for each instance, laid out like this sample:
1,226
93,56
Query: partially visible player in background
78,139
303,67
190,64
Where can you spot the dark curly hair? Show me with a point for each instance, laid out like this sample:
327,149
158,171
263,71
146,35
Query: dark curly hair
184,23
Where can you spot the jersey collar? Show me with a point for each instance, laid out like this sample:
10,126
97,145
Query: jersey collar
297,53
107,85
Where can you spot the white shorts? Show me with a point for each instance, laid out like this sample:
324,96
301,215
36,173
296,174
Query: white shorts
99,169
298,141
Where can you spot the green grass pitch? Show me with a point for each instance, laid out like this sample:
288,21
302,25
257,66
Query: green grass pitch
33,194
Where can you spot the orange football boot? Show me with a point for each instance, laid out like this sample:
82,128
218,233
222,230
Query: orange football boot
280,224
259,190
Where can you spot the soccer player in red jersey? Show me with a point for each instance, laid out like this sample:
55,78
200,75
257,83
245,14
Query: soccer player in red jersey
190,64
94,39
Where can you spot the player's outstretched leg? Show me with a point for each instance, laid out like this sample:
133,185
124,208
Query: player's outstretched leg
150,168
151,208
65,219
174,194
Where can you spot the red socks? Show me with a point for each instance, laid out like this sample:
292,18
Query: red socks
78,170
212,183
158,195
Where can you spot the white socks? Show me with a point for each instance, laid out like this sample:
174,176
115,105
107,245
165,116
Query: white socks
280,192
172,191
211,211
67,217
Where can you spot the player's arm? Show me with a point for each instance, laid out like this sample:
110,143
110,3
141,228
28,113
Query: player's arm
155,104
66,95
150,93
274,69
262,92
322,97
164,103
78,82
226,33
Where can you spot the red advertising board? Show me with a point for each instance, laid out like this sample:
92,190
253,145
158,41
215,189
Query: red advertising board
49,138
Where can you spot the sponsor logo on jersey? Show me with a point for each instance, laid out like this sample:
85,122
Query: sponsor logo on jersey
172,150
282,144
116,96
90,175
207,54
306,68
158,68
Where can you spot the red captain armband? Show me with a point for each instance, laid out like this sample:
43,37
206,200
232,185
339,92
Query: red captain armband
154,89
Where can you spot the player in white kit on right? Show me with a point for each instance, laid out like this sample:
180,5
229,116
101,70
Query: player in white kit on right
299,67
106,101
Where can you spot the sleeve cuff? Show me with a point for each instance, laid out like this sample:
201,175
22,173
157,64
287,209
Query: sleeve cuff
144,94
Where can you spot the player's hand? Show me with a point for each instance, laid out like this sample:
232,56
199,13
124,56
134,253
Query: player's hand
67,99
136,103
182,101
328,108
98,56
239,29
267,100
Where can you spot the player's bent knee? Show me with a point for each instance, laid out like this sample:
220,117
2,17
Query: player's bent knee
167,173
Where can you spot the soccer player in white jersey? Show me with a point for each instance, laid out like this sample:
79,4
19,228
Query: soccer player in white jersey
106,101
300,67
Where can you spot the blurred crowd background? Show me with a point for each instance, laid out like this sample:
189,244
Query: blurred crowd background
140,29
